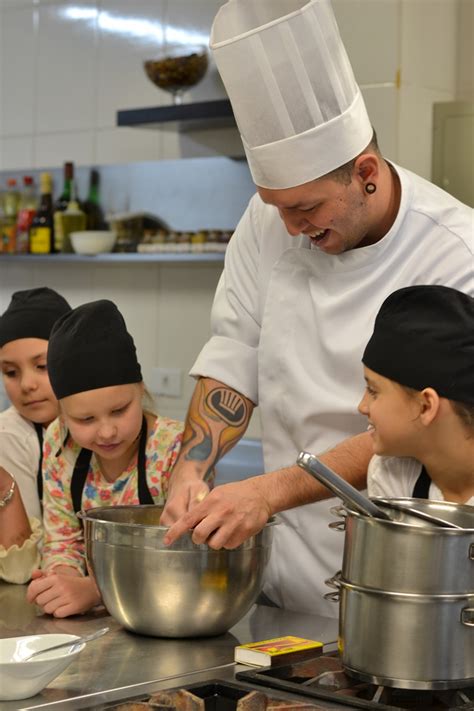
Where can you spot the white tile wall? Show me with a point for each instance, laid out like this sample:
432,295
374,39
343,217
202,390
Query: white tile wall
370,30
67,61
18,52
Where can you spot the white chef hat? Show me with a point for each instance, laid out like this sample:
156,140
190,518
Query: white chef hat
299,110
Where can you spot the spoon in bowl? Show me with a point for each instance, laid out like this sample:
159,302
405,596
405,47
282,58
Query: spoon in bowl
72,643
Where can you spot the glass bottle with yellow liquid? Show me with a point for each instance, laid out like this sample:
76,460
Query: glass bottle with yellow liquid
42,226
72,219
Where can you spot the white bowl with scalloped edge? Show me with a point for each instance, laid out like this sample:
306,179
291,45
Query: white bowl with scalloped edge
90,242
20,680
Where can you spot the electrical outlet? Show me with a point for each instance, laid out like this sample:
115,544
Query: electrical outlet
166,381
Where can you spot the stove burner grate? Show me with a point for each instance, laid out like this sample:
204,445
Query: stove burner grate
323,677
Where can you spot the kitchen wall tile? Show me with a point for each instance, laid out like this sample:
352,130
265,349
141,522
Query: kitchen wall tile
67,67
382,106
122,145
18,87
429,37
416,127
16,3
17,153
129,33
184,304
373,48
52,149
465,52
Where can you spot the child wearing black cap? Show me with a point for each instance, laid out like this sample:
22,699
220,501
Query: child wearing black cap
25,328
103,450
419,399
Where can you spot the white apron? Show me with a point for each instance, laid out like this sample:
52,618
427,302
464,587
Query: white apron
310,382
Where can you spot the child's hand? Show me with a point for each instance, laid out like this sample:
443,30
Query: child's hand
62,594
183,495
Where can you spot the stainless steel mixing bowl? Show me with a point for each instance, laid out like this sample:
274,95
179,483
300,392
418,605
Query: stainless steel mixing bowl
182,590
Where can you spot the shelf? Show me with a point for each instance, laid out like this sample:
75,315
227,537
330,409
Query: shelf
200,115
119,258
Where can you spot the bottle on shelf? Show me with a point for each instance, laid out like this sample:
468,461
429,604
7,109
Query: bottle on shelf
42,226
11,199
92,206
73,219
63,200
27,208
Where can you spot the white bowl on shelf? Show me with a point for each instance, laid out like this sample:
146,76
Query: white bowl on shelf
20,680
91,242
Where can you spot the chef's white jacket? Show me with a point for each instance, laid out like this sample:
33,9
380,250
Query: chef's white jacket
289,326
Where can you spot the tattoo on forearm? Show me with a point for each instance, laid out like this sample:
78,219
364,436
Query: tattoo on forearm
201,451
227,405
215,424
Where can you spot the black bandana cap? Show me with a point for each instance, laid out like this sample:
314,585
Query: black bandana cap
90,348
424,338
32,314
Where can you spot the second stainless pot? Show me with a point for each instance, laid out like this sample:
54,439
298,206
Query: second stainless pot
402,557
405,640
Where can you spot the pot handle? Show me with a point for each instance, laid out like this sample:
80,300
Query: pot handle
467,616
335,581
341,513
333,596
471,551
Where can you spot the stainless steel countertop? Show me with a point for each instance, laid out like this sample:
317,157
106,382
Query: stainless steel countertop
122,659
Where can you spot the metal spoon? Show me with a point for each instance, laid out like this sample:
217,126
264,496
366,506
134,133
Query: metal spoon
339,486
349,495
72,644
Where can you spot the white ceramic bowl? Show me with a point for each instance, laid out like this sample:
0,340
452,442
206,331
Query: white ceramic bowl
93,241
20,680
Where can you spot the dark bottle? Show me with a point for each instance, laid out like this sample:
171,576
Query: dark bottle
63,200
92,208
42,226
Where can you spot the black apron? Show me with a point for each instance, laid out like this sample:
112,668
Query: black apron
421,490
81,469
39,474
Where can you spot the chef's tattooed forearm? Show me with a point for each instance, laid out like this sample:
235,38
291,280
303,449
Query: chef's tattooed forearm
217,420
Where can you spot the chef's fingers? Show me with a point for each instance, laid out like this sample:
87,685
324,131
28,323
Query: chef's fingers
185,523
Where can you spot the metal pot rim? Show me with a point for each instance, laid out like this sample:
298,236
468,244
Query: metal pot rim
424,530
408,596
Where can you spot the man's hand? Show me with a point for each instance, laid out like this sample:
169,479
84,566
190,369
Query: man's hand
226,517
62,594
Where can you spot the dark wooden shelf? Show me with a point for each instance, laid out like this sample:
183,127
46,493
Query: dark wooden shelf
200,115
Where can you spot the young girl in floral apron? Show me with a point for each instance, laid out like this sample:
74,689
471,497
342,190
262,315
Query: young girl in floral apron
105,449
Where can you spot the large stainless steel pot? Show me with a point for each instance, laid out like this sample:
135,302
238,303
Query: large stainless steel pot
406,640
407,556
182,590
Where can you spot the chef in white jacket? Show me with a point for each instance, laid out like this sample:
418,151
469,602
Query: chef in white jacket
333,229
